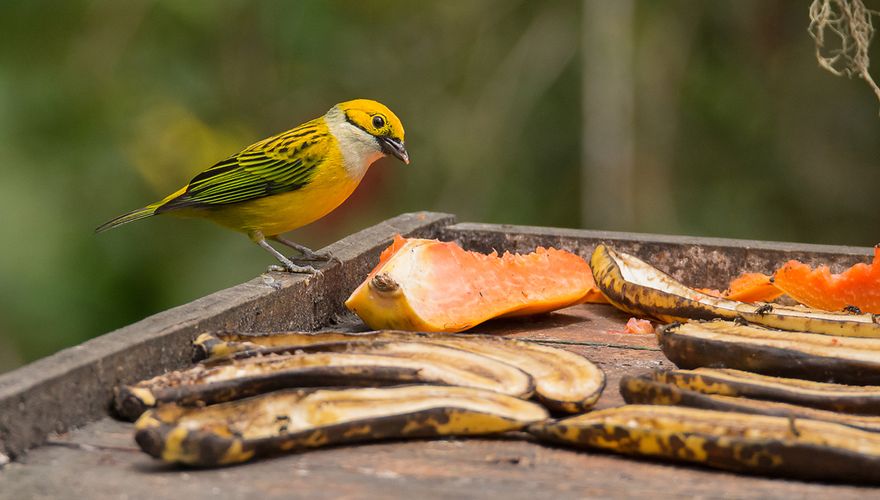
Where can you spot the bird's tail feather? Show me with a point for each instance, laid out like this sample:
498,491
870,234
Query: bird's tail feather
141,213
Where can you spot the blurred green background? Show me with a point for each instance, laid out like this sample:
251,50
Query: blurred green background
687,117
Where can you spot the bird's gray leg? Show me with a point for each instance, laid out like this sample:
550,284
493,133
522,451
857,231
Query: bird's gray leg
286,264
307,253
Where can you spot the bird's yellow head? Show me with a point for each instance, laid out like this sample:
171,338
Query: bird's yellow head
378,121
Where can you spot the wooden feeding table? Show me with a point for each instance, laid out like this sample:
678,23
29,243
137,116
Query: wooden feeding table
58,440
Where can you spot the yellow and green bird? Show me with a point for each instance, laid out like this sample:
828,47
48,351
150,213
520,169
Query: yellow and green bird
288,180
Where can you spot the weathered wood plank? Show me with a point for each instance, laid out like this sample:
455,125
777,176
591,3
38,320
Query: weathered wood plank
478,468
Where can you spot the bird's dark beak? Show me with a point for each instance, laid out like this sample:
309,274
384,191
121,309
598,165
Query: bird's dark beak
394,147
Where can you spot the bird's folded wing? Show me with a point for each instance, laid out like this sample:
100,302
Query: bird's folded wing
276,165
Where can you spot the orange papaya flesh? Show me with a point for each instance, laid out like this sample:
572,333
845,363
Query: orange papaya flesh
748,287
428,285
636,325
753,287
594,296
858,286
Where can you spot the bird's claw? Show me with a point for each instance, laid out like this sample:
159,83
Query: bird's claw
292,268
292,264
316,257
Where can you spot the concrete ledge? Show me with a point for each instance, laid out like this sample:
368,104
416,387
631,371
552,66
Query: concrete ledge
698,261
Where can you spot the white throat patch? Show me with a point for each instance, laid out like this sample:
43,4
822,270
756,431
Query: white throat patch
359,149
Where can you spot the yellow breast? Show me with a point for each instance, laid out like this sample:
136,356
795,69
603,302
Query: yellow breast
329,187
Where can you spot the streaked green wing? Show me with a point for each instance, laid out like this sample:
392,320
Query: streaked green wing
279,164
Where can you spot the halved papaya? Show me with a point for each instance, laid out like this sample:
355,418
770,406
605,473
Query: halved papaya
428,285
857,287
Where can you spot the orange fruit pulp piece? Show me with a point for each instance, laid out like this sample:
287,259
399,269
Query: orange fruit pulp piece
753,287
636,325
428,285
858,286
748,287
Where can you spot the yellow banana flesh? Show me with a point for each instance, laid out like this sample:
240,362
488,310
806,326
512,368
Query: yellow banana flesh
564,381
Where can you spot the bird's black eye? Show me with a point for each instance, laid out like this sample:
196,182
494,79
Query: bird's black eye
378,121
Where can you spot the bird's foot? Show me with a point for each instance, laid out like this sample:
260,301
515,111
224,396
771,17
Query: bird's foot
288,266
276,268
306,253
315,257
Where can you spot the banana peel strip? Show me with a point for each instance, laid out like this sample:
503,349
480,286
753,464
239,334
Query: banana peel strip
739,442
638,288
564,381
299,419
646,390
726,344
855,399
388,364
